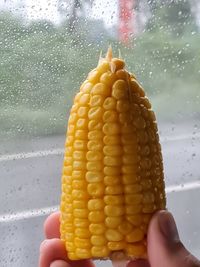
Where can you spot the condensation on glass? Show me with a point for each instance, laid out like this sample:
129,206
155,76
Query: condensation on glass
46,50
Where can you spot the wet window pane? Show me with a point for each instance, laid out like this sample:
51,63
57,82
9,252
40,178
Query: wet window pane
47,49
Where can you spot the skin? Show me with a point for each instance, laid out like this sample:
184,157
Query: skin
164,246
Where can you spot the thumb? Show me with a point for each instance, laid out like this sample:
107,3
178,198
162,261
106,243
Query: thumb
164,246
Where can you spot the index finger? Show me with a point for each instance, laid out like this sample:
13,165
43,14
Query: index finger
52,226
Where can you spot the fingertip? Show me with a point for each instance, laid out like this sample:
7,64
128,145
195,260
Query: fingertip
60,263
51,250
52,225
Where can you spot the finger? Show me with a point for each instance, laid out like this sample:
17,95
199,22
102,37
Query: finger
54,249
60,263
138,263
83,263
52,226
164,245
51,250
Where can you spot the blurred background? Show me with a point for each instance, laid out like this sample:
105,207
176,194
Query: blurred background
47,47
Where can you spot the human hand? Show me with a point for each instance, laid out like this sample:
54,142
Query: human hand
164,246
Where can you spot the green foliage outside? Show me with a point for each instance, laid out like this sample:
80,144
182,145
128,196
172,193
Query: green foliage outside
42,67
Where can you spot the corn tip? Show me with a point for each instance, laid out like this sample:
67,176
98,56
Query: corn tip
109,53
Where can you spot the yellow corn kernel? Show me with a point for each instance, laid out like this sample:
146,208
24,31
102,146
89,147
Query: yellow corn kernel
81,223
95,113
120,245
94,135
130,159
130,179
112,180
113,235
112,161
95,204
70,129
80,213
94,155
128,129
149,208
129,169
78,175
111,140
108,78
133,209
95,125
125,117
97,229
68,161
113,200
148,198
72,256
122,74
82,233
86,87
139,122
94,166
96,216
113,222
114,150
69,140
79,165
82,242
113,189
81,134
84,99
120,89
110,116
83,253
100,89
79,194
97,101
98,240
94,145
135,236
70,246
125,227
74,108
119,63
100,251
103,66
132,189
114,211
110,170
95,189
94,76
79,155
109,103
123,106
136,250
129,139
133,198
81,123
80,144
135,220
94,177
111,128
79,204
67,171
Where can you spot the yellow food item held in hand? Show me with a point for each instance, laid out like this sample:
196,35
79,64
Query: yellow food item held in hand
112,179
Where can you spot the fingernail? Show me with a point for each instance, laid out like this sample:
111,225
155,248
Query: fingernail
168,226
59,263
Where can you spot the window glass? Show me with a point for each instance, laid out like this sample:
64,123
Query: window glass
46,50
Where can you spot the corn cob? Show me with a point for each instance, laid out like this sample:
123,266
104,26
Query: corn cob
112,179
